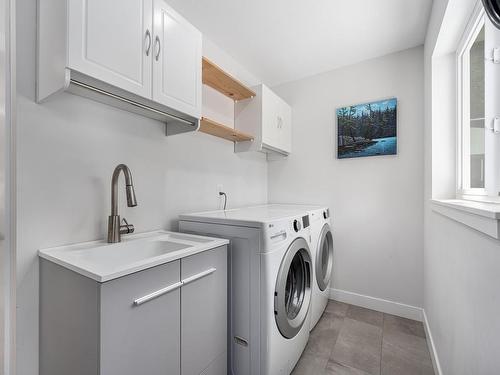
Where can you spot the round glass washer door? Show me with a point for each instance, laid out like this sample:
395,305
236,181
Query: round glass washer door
292,295
324,258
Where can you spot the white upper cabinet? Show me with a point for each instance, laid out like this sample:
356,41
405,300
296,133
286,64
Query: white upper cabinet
177,61
111,41
138,55
269,118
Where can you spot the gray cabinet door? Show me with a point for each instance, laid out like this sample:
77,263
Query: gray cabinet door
144,338
204,312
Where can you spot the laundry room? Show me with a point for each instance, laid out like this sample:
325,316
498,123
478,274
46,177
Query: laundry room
249,188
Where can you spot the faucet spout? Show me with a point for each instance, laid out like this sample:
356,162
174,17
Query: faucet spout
129,188
114,228
131,199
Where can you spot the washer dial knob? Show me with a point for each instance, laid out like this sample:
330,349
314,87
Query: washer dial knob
296,225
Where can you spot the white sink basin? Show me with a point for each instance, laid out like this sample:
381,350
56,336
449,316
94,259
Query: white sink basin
102,261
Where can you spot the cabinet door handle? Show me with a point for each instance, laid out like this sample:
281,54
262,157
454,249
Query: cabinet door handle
198,276
160,292
157,43
148,42
279,122
170,288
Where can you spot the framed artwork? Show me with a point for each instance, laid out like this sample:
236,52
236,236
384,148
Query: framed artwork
367,129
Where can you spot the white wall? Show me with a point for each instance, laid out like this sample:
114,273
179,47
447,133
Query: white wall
376,201
4,259
461,274
461,297
67,150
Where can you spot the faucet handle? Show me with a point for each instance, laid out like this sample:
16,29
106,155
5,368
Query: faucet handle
126,228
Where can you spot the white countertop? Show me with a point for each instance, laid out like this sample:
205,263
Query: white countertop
104,261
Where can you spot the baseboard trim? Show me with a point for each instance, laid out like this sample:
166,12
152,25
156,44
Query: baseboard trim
378,304
432,347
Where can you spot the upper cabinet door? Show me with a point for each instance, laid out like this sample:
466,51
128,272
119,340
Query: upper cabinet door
284,125
176,61
272,121
112,41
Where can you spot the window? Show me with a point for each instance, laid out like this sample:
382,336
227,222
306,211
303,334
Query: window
478,118
472,156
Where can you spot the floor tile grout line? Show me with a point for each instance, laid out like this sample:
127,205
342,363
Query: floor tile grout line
337,338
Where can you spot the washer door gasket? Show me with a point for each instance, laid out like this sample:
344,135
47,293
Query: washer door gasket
292,295
492,8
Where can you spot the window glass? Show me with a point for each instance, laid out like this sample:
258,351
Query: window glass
476,121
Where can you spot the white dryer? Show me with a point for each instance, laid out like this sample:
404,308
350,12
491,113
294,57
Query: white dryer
322,255
270,284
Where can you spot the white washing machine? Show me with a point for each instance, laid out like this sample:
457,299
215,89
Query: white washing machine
322,255
321,245
270,284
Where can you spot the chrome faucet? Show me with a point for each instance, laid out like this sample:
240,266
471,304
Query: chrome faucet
115,230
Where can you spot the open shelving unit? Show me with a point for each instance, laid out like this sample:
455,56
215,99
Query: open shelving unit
222,131
229,86
219,80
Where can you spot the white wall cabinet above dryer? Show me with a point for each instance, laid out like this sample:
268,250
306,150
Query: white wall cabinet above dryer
269,118
139,55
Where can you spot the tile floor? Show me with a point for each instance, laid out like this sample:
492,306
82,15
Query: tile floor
351,340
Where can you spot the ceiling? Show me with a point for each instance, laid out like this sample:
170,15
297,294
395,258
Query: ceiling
285,40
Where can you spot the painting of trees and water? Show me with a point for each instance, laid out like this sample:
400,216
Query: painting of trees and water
367,129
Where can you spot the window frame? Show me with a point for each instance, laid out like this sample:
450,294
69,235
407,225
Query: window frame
464,191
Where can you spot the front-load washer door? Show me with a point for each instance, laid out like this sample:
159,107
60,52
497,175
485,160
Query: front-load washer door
292,295
324,258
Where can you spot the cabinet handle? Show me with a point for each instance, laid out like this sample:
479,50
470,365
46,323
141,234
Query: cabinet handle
279,122
148,42
198,276
241,341
157,43
160,292
170,288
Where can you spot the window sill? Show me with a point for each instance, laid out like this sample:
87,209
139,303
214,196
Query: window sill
482,216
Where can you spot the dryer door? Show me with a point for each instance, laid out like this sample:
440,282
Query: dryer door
292,295
324,258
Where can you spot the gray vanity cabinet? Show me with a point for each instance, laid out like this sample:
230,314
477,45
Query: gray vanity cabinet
141,339
204,314
170,319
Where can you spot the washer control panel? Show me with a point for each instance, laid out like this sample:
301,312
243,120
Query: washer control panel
305,221
281,230
276,232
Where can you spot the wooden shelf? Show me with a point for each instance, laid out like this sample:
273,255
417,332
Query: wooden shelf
219,80
222,131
